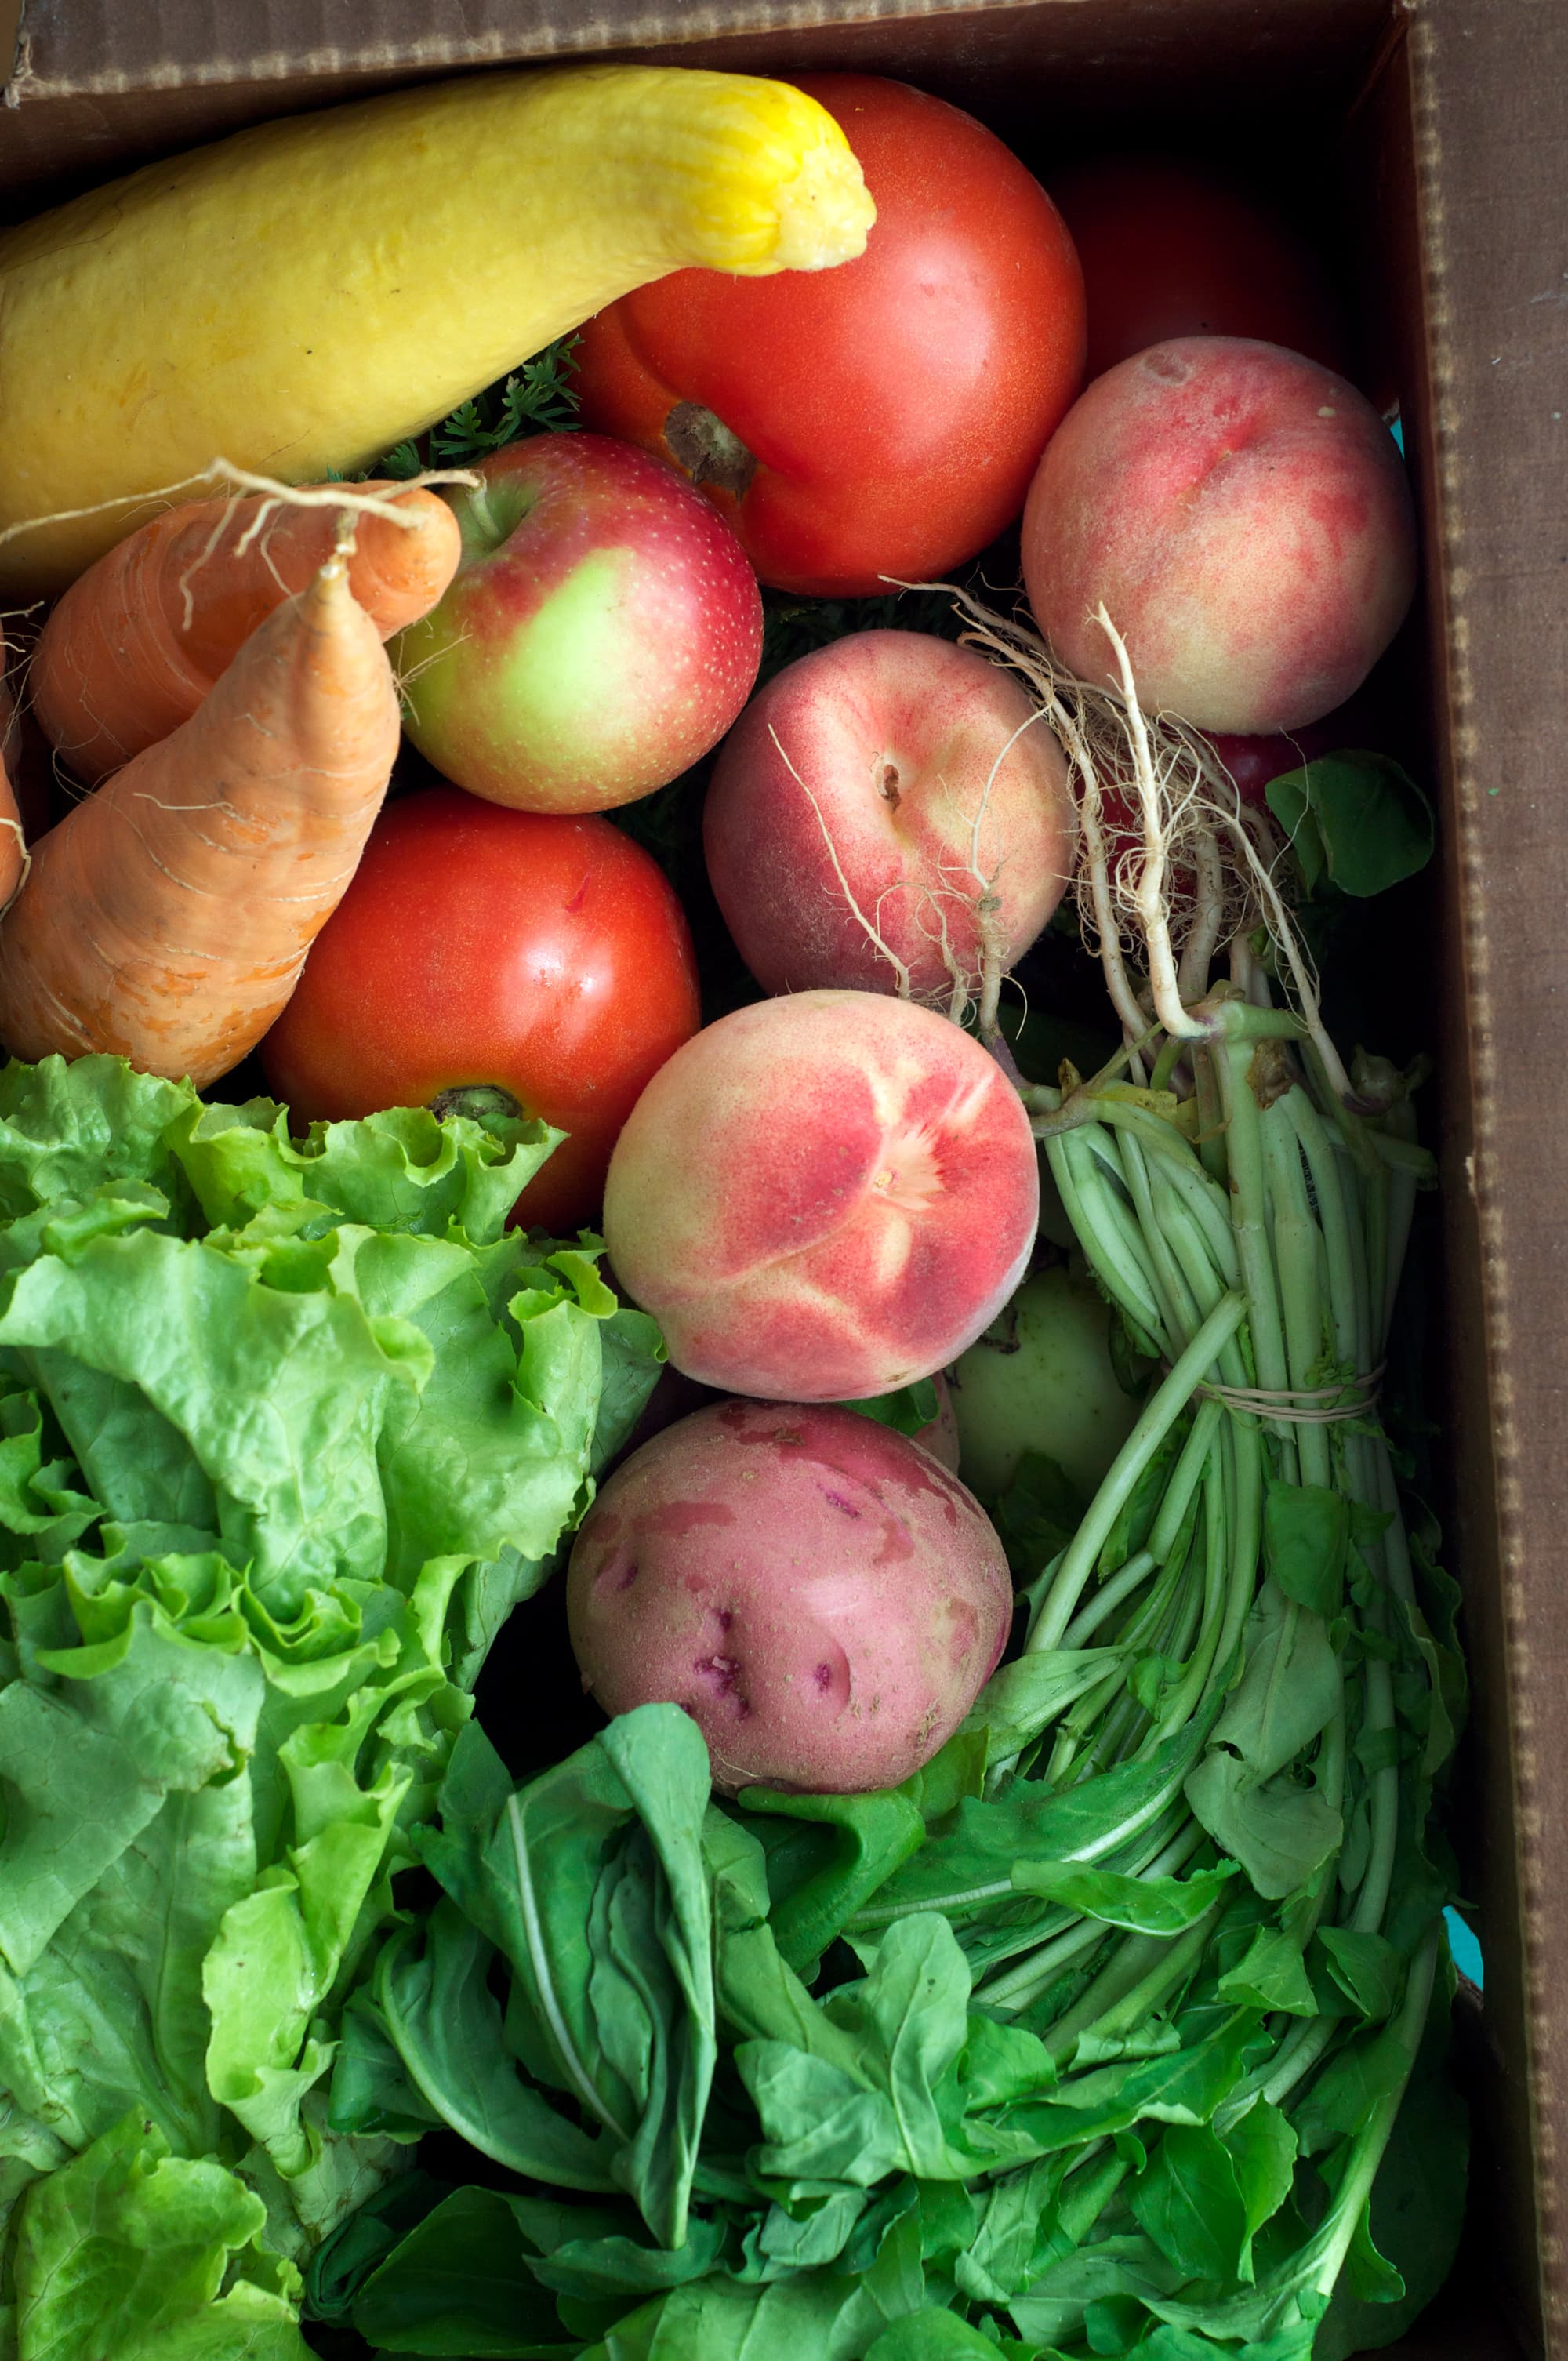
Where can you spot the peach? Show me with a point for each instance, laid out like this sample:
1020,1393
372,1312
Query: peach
823,1197
894,773
1244,516
821,1596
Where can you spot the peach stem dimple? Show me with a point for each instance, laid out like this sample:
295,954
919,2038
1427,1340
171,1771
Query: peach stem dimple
911,1175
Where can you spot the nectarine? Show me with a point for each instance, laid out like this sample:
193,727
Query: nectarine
886,782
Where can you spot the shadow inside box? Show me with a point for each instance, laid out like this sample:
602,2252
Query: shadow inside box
1457,2327
528,1699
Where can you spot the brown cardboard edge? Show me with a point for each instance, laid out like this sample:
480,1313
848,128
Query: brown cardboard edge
1493,2304
187,74
1478,65
578,31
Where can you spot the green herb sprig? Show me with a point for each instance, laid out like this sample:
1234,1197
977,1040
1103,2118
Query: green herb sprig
538,398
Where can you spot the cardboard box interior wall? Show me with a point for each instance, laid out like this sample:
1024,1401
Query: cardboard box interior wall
1426,143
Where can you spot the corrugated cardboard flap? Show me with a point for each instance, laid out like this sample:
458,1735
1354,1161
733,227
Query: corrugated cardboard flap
98,84
81,48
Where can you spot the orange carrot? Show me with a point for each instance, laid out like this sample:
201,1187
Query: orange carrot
167,917
135,644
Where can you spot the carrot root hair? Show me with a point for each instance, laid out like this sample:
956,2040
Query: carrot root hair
242,481
135,644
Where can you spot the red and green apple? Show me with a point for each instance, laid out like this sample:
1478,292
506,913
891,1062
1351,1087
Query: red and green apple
603,630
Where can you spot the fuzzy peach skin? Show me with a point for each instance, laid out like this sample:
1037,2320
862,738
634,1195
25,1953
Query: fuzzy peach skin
823,1197
1246,518
896,777
821,1596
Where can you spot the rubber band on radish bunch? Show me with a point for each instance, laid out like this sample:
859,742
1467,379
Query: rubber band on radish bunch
1212,1768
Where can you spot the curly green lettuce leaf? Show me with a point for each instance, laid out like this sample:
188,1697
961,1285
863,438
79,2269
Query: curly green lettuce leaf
130,2253
287,1428
201,1816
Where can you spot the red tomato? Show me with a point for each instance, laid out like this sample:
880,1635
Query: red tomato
541,957
882,418
1169,249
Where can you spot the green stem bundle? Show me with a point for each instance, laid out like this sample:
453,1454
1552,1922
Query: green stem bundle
1246,1553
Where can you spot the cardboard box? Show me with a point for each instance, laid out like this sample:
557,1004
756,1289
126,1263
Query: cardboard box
1429,138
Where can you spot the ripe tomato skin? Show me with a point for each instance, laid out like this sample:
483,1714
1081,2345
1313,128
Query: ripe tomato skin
1170,249
894,406
545,956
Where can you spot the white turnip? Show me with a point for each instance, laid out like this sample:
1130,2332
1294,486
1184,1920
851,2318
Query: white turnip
1041,1379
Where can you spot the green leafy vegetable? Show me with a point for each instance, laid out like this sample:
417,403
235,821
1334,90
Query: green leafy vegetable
285,1428
908,1411
1279,1830
438,2012
1306,1535
460,2282
1147,1905
539,398
131,2254
591,1882
1116,2033
1356,819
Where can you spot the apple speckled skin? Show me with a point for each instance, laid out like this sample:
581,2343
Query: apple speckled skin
603,631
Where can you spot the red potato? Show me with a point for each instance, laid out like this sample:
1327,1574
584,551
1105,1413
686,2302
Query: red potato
1244,516
824,1600
893,775
823,1197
